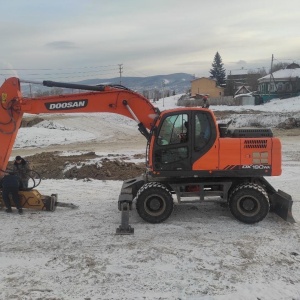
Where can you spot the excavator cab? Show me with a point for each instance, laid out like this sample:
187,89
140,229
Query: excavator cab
180,139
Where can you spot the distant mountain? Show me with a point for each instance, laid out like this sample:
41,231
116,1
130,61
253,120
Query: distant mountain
180,82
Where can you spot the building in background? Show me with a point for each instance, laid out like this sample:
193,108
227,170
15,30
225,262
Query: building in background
280,84
235,80
242,90
206,86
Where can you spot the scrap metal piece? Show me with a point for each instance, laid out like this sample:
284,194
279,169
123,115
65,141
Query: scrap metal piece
63,204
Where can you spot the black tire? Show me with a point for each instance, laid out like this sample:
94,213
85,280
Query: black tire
154,202
249,203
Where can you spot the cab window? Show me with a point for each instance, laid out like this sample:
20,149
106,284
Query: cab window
202,130
173,130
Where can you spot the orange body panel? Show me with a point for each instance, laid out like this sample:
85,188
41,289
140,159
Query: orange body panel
150,154
276,157
209,161
230,152
242,153
258,152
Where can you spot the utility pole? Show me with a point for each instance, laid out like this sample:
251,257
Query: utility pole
163,89
271,73
120,71
271,76
272,64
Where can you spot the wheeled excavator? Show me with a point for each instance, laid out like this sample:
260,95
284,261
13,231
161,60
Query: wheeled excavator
189,156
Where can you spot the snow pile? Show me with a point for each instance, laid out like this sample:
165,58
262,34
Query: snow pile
256,120
268,115
51,125
275,106
41,137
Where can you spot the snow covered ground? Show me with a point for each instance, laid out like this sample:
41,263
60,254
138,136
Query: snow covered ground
200,252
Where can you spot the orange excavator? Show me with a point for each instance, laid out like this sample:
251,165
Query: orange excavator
189,156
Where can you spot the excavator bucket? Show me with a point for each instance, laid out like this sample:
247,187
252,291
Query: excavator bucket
282,205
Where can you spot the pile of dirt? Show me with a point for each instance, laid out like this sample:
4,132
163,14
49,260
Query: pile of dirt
289,123
30,121
54,165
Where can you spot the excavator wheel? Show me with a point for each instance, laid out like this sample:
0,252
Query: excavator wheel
249,203
154,202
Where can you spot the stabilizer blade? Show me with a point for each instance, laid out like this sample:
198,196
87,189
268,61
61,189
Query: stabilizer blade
282,205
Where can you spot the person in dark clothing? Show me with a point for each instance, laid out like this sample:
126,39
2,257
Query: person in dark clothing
205,102
11,184
22,169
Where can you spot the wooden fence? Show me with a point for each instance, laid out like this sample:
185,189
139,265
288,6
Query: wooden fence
185,100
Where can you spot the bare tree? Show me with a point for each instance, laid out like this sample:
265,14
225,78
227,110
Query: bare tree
146,94
278,66
252,78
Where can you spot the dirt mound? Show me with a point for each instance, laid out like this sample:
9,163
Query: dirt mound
30,121
289,123
54,165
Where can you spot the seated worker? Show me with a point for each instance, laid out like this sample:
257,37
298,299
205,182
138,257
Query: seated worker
22,169
184,135
11,184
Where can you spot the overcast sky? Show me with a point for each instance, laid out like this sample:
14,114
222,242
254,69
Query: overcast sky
70,40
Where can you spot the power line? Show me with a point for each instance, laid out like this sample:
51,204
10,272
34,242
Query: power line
286,59
138,72
83,72
52,69
37,74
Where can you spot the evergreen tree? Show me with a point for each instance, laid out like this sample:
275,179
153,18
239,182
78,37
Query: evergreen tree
218,71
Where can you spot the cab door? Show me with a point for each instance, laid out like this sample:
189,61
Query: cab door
172,146
204,146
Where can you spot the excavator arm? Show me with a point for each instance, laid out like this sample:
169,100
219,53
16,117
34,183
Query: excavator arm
112,99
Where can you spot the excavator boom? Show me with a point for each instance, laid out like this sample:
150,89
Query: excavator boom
112,99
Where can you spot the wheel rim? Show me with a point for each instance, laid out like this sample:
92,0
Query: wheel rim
154,205
248,206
